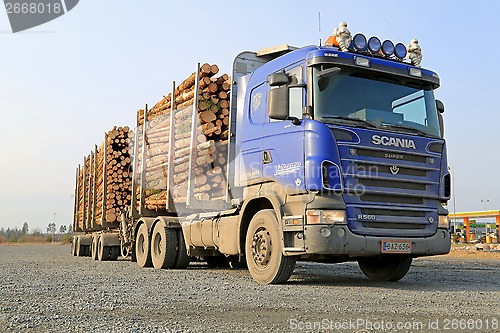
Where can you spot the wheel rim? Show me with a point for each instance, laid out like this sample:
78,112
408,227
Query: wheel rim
157,245
141,244
261,247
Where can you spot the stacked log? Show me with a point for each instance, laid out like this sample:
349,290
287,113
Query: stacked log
211,140
81,195
118,174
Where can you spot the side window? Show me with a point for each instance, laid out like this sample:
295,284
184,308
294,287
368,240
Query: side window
296,94
296,104
258,104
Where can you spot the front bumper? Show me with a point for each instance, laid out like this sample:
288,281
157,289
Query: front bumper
342,241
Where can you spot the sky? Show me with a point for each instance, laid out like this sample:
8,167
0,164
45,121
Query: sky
63,84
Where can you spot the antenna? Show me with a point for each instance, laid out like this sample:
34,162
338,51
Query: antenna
319,27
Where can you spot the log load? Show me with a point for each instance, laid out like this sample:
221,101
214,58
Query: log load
210,152
118,175
105,180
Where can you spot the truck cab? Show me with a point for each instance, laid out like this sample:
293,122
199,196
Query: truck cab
347,148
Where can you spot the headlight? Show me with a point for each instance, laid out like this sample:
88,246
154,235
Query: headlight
400,51
359,42
326,217
443,222
387,48
374,45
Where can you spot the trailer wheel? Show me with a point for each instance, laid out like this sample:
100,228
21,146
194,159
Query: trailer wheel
385,268
182,261
142,252
163,246
94,248
73,246
103,252
80,249
263,250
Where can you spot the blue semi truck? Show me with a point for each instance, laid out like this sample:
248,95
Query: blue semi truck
332,156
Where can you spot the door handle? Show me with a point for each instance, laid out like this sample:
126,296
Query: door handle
266,157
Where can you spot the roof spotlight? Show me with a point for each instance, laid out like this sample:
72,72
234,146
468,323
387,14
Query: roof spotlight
387,48
374,45
359,42
400,51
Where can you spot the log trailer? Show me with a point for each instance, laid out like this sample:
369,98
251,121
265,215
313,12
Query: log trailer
326,154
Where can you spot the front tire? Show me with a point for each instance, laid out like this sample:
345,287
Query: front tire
142,248
263,250
386,268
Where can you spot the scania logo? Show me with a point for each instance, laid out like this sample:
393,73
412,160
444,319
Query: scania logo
394,169
394,142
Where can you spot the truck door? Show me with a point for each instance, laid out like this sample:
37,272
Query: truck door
283,142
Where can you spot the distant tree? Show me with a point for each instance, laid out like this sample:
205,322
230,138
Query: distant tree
70,229
62,229
25,230
51,228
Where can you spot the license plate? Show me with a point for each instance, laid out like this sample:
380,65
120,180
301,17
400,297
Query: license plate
394,246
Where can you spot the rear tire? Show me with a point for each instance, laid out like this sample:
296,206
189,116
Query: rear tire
94,248
182,261
80,249
263,250
73,246
386,268
103,252
163,246
142,248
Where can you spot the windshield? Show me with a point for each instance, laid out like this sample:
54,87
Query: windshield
358,97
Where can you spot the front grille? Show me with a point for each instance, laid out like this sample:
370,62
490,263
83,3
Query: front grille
386,169
367,197
392,184
399,226
392,212
391,191
387,155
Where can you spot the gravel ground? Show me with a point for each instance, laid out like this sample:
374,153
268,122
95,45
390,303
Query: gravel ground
44,289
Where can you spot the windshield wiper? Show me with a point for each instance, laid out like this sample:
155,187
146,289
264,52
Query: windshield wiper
364,122
414,130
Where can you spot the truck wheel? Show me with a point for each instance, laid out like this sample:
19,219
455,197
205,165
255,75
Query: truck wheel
263,250
182,261
103,252
163,246
73,246
385,268
114,253
93,249
80,249
142,252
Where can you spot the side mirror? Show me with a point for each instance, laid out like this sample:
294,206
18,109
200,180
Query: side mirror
439,106
278,79
441,124
278,103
